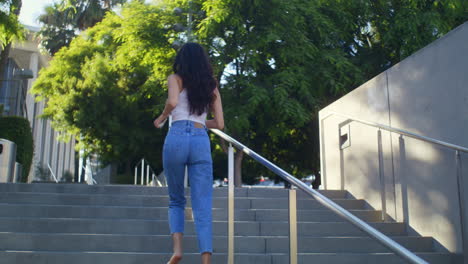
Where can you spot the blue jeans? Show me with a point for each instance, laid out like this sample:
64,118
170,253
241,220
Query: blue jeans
186,145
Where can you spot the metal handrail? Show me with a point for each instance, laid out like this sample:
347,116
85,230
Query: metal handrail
400,131
143,174
456,148
89,182
51,172
372,232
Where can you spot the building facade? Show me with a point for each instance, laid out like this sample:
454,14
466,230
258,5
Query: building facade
51,157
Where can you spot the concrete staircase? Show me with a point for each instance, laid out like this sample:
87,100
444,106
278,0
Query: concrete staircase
76,224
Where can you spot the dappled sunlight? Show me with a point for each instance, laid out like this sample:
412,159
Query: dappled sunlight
437,200
423,152
374,101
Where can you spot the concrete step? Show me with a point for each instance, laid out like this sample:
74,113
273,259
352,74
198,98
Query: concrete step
313,215
145,190
275,192
77,223
161,213
43,257
372,258
162,201
162,243
160,227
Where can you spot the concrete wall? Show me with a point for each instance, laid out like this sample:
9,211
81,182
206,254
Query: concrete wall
426,94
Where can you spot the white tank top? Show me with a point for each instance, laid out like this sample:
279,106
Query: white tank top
182,110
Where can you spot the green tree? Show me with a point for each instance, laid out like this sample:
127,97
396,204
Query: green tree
278,63
283,61
62,21
395,29
106,86
10,28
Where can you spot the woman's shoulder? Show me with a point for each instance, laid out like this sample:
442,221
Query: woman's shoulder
174,76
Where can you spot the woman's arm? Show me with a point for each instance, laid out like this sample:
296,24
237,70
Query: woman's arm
218,120
174,88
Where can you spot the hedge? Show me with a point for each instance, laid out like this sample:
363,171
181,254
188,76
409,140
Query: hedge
18,130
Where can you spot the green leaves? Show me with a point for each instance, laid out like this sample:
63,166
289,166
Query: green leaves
109,84
62,20
18,130
281,61
10,28
278,63
394,30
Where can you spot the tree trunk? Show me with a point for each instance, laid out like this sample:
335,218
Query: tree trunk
238,168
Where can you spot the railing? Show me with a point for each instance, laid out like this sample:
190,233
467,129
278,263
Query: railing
145,173
399,131
88,175
372,232
52,172
402,132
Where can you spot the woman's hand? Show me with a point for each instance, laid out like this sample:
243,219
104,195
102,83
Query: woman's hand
160,121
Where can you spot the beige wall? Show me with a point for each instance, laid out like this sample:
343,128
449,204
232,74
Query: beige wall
426,94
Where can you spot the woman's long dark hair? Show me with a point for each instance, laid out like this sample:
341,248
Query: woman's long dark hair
193,66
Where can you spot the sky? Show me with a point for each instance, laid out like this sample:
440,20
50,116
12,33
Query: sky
31,9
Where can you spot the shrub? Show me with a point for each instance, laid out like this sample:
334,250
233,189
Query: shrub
43,174
18,130
67,176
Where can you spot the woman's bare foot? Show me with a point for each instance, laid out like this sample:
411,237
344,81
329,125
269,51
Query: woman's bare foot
175,259
177,256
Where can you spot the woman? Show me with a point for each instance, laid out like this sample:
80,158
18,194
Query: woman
193,92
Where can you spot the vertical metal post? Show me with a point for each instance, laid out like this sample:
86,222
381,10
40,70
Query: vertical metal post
142,171
461,204
80,164
381,175
147,174
292,226
231,205
136,174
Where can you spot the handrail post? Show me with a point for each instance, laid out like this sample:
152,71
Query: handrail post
230,204
136,175
51,172
461,204
292,226
381,176
142,171
372,232
147,173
